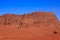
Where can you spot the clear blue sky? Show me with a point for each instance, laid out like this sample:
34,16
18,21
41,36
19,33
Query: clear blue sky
28,6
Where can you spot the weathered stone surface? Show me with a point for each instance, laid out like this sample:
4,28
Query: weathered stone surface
33,26
29,19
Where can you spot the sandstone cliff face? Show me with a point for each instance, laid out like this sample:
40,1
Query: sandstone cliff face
40,18
33,26
29,19
9,18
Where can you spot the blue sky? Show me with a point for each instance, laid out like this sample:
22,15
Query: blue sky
28,6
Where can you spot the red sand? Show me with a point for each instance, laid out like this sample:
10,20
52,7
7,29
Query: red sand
31,33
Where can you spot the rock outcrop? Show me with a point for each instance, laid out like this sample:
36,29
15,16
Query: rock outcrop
33,26
45,18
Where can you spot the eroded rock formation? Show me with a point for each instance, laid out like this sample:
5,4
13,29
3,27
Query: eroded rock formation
35,26
29,19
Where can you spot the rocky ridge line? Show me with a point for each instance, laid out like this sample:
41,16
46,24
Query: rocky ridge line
44,18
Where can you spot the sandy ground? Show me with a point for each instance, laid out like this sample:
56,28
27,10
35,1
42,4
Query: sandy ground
31,33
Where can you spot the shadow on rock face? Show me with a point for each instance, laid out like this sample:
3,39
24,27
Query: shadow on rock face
55,32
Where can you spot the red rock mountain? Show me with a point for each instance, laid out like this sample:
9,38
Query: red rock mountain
33,26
